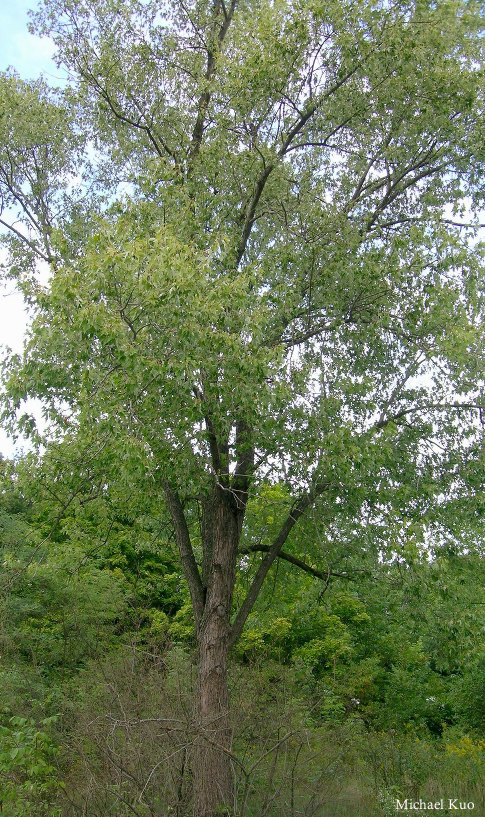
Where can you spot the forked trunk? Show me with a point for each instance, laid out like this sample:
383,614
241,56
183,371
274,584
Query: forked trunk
212,595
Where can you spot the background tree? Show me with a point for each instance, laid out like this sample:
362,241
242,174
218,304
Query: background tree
263,275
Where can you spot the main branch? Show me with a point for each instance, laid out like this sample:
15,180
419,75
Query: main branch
298,509
182,536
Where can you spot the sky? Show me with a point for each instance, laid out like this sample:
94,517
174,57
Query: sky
29,56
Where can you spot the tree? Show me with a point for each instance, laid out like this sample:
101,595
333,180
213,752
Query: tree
261,272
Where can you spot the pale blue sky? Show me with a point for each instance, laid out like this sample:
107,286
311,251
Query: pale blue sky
29,55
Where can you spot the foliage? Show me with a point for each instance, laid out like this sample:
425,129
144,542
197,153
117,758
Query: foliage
470,697
260,345
29,778
355,677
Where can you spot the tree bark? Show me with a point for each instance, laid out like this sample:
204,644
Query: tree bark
213,773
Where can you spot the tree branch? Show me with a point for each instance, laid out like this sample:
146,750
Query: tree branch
245,454
312,108
212,50
217,451
298,509
27,241
244,466
384,421
249,218
294,560
304,117
182,536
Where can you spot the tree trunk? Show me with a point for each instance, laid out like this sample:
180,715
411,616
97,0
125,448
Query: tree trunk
213,776
213,773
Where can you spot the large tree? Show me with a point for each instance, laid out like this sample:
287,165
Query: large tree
259,221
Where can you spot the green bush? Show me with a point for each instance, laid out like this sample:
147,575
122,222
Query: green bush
28,776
